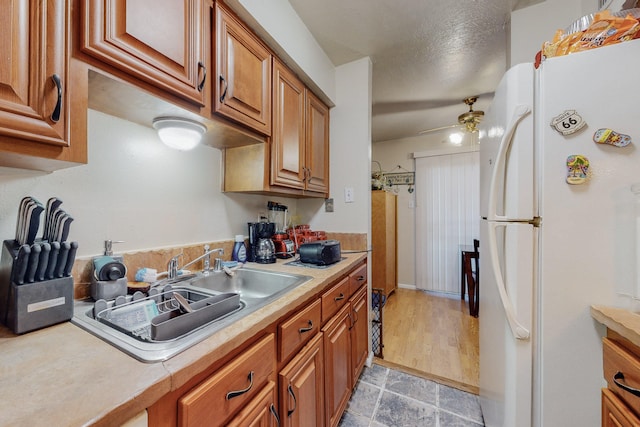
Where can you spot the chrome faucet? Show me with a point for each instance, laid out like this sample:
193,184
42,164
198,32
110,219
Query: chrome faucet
172,265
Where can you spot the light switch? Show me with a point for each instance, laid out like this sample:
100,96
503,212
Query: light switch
348,194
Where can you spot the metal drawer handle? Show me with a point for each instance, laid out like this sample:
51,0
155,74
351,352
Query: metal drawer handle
272,408
620,376
233,394
226,86
295,402
360,279
303,330
204,76
55,116
340,297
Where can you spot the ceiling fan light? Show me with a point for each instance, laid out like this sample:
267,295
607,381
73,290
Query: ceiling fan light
179,133
455,138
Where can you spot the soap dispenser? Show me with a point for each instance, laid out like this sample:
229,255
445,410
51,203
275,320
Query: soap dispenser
107,266
109,279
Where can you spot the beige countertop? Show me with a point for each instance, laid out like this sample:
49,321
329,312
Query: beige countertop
622,321
64,376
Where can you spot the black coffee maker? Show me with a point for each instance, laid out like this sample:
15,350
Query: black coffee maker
261,248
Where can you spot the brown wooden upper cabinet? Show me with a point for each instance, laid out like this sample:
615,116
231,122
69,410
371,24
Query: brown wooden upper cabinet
300,145
161,42
35,93
242,92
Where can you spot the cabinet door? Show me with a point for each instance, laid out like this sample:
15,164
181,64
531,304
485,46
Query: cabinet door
158,41
287,147
302,388
359,333
298,329
317,145
229,389
260,412
337,365
243,70
34,98
615,413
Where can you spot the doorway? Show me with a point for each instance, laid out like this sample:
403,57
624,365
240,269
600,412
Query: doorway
429,331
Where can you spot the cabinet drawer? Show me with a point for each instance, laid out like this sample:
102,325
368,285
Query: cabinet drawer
619,360
357,278
298,329
335,298
615,413
231,388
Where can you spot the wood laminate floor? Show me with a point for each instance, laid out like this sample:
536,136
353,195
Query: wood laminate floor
433,337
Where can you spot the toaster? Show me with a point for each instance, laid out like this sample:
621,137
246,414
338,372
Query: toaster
323,252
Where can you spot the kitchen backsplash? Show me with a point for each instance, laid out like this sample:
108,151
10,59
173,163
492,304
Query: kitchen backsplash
158,258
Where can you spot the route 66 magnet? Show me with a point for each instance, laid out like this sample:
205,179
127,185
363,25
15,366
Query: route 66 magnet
568,122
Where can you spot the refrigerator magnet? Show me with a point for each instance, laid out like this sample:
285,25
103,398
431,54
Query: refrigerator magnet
577,169
568,122
611,137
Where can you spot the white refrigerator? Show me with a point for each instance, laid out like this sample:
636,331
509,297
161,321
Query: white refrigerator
549,249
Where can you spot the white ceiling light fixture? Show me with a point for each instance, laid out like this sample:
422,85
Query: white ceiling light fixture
179,133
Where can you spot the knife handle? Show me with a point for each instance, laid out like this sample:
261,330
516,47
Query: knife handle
53,259
70,259
43,262
33,263
20,264
62,259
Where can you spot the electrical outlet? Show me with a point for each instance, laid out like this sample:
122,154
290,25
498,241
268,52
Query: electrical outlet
328,205
348,194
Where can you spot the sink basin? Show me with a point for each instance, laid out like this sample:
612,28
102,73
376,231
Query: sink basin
249,283
169,330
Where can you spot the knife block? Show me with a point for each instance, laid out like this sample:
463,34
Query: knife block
31,306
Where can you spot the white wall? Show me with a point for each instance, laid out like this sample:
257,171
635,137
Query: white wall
349,155
533,25
136,189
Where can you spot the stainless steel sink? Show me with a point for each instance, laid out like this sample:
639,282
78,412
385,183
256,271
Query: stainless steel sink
256,288
249,283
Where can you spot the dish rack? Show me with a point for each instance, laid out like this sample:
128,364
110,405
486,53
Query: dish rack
159,317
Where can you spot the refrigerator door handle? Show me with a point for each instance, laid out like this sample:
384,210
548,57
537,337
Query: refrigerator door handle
518,331
519,113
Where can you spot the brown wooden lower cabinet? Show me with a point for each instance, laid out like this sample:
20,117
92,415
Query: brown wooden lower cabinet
302,388
615,413
621,367
337,364
298,371
359,333
231,388
261,411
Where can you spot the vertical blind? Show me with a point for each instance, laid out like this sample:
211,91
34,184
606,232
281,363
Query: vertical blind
447,216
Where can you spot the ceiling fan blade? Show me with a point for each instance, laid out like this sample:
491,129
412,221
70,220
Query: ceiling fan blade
441,128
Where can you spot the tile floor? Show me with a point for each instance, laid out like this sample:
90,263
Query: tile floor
389,398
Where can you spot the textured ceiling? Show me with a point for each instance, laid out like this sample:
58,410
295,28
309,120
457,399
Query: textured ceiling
427,55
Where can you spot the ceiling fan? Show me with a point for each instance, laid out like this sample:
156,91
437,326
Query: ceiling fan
467,122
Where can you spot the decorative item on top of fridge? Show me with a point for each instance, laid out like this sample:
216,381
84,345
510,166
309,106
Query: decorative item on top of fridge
592,31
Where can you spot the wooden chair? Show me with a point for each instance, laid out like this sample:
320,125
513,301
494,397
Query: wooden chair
472,277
